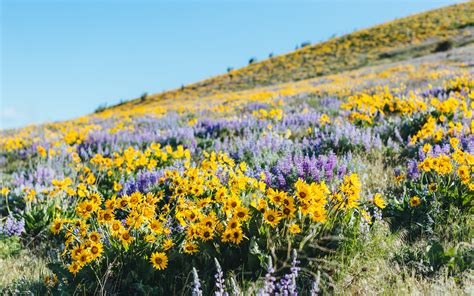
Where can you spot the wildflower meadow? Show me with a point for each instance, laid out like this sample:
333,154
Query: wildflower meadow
355,179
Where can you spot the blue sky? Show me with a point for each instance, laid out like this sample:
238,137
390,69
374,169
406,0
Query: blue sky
61,59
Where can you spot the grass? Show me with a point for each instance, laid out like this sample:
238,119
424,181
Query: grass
383,263
369,268
22,269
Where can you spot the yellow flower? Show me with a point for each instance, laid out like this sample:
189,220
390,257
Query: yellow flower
94,236
96,249
159,260
190,248
236,235
95,198
126,238
242,213
74,267
415,201
150,238
463,172
426,148
57,226
84,257
192,122
454,142
379,201
432,187
294,229
233,223
324,119
167,244
116,228
206,233
5,191
400,178
302,190
243,166
41,151
117,186
90,179
366,216
271,217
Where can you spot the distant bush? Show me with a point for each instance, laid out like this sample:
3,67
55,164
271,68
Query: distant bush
252,60
100,108
305,43
444,46
229,69
144,97
270,55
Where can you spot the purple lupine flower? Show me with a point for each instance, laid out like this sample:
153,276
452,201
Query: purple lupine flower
281,181
330,165
412,170
269,283
287,284
12,227
196,284
341,171
219,276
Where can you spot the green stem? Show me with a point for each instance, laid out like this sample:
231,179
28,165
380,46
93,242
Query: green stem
8,207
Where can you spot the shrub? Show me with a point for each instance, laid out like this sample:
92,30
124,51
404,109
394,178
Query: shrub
444,46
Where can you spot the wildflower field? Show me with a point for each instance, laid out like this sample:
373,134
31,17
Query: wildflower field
356,179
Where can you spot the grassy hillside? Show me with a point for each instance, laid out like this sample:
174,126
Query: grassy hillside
412,36
359,182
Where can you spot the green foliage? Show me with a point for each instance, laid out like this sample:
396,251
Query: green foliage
430,257
437,208
9,246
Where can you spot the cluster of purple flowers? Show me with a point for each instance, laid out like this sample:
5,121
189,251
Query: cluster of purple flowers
286,286
12,227
313,169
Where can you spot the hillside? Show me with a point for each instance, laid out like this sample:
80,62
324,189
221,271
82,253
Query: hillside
412,36
353,177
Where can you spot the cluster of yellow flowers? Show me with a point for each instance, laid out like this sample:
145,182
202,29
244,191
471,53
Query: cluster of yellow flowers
213,201
460,83
132,159
365,107
324,119
446,163
75,135
428,129
447,106
276,114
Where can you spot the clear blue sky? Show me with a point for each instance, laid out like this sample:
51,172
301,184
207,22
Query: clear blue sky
61,59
